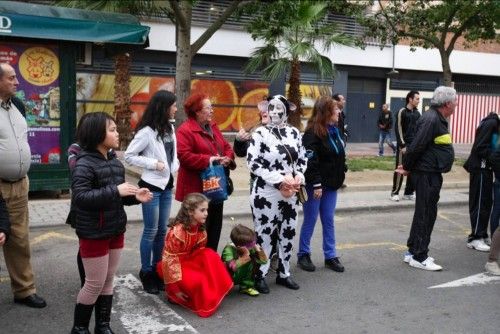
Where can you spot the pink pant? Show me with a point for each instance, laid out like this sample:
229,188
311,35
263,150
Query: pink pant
99,274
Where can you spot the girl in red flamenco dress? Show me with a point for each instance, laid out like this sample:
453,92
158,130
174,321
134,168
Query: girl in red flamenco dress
195,277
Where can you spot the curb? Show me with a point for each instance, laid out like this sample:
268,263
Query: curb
388,187
51,213
390,207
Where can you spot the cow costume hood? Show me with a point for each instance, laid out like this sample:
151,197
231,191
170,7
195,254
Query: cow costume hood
278,108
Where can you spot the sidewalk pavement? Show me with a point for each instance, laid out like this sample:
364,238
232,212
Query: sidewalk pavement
54,212
355,198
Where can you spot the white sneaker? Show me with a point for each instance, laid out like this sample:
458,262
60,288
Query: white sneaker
407,257
428,264
492,268
478,244
487,241
409,197
395,198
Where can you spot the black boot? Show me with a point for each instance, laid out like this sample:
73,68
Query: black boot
149,282
159,281
103,314
82,319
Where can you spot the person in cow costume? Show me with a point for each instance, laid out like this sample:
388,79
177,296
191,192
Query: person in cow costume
277,158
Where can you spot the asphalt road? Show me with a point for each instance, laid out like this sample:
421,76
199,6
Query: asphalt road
378,293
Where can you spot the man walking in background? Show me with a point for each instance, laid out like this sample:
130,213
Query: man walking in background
14,187
406,123
384,123
429,155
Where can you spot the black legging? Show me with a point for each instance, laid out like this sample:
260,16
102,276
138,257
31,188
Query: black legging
480,202
214,224
81,270
397,179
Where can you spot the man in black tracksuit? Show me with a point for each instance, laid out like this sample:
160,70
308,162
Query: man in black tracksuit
481,182
406,123
429,155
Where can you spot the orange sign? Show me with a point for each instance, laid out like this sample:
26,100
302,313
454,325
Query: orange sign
39,66
211,184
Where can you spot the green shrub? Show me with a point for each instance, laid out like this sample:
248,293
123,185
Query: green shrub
357,164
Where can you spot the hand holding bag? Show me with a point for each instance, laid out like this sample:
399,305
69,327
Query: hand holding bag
302,194
214,183
228,184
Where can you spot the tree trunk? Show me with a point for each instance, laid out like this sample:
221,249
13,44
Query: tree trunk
183,63
294,94
445,62
122,99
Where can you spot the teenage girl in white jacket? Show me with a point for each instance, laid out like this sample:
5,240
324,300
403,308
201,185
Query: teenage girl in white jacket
154,149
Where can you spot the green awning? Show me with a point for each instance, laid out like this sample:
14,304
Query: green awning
57,23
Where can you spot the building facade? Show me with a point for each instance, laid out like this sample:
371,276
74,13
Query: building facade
365,77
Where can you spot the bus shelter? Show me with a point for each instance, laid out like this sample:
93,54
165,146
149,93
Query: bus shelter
43,44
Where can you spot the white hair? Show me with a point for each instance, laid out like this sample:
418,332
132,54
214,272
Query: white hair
442,95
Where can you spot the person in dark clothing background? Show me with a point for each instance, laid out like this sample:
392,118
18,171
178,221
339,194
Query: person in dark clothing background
406,122
242,139
429,155
491,265
384,123
341,125
481,182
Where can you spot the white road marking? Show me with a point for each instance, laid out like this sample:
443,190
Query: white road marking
143,313
478,279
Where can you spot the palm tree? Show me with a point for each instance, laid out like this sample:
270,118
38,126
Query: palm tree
291,31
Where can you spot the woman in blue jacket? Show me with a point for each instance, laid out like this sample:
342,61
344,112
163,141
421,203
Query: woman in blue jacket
325,174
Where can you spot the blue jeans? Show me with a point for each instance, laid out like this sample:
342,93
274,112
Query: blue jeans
325,208
495,212
155,214
385,137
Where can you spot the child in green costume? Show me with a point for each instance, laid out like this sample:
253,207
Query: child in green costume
242,257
